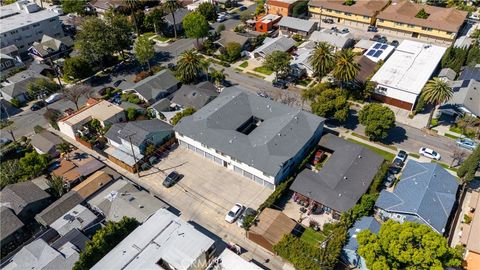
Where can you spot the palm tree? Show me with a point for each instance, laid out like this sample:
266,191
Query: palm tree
173,5
132,6
189,66
322,59
346,69
218,76
435,92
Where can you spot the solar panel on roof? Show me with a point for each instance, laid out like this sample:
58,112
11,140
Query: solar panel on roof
384,47
465,83
378,53
371,52
377,45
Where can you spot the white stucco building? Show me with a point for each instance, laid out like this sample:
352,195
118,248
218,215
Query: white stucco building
258,138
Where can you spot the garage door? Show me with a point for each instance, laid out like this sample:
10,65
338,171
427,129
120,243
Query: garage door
238,170
207,155
199,151
219,161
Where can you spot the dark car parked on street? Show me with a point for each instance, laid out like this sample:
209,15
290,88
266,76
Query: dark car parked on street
171,179
38,105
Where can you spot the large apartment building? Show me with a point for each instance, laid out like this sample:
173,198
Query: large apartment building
24,23
421,21
360,13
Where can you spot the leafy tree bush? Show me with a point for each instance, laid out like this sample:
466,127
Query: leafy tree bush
278,61
473,57
74,6
195,25
104,240
132,114
233,50
141,75
32,165
422,14
76,68
378,179
177,117
220,28
42,86
144,51
406,246
10,172
16,103
300,9
131,97
467,170
377,119
55,183
454,58
301,254
208,11
332,103
95,41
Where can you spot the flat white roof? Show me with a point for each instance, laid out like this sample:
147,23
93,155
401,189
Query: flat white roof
410,66
163,236
379,51
228,260
103,110
15,18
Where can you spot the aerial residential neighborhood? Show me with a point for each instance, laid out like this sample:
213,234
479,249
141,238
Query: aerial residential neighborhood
239,134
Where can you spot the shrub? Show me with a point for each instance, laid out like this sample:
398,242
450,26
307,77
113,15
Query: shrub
16,103
379,178
37,129
297,37
467,219
141,75
377,119
177,117
132,114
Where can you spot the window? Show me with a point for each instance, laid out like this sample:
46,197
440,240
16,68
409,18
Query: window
380,20
348,14
36,24
410,25
366,17
399,24
427,28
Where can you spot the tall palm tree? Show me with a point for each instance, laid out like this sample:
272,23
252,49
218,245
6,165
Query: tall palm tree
322,59
173,5
435,92
189,66
346,69
132,6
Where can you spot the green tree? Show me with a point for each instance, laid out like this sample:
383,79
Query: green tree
177,117
454,58
322,59
10,172
345,69
300,9
95,41
154,21
56,185
42,86
377,119
189,66
104,240
220,28
311,93
208,11
435,92
144,50
473,57
218,76
120,29
132,114
33,164
245,16
132,6
76,68
195,26
233,50
406,246
469,167
278,61
172,6
331,103
74,6
260,9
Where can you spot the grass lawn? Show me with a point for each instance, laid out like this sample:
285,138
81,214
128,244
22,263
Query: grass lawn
238,69
415,155
451,136
149,34
244,64
312,237
256,75
367,139
386,155
304,82
161,39
5,123
263,70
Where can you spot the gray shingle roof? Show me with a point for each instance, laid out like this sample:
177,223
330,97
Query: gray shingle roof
76,237
58,208
296,24
138,131
195,96
345,176
179,15
467,94
149,88
230,36
19,195
280,43
336,40
9,223
283,130
20,87
448,73
365,223
49,45
45,141
161,105
426,192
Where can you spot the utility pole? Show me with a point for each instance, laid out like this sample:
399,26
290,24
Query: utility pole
133,153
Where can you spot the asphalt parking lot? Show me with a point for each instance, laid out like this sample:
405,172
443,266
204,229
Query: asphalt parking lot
206,191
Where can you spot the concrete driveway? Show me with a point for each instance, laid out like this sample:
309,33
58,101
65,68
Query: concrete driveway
206,191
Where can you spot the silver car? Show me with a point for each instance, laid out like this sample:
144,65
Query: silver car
466,143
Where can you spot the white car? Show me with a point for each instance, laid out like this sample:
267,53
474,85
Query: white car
234,213
53,97
427,152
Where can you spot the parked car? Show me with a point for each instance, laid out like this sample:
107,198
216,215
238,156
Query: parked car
466,143
383,39
4,141
329,21
402,155
221,17
345,30
397,162
427,152
395,43
379,38
389,180
38,105
280,84
242,8
117,83
234,213
247,212
318,157
334,29
372,28
53,97
171,179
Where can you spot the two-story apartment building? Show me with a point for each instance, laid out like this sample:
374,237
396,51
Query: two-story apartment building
24,23
360,13
421,21
258,138
281,7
